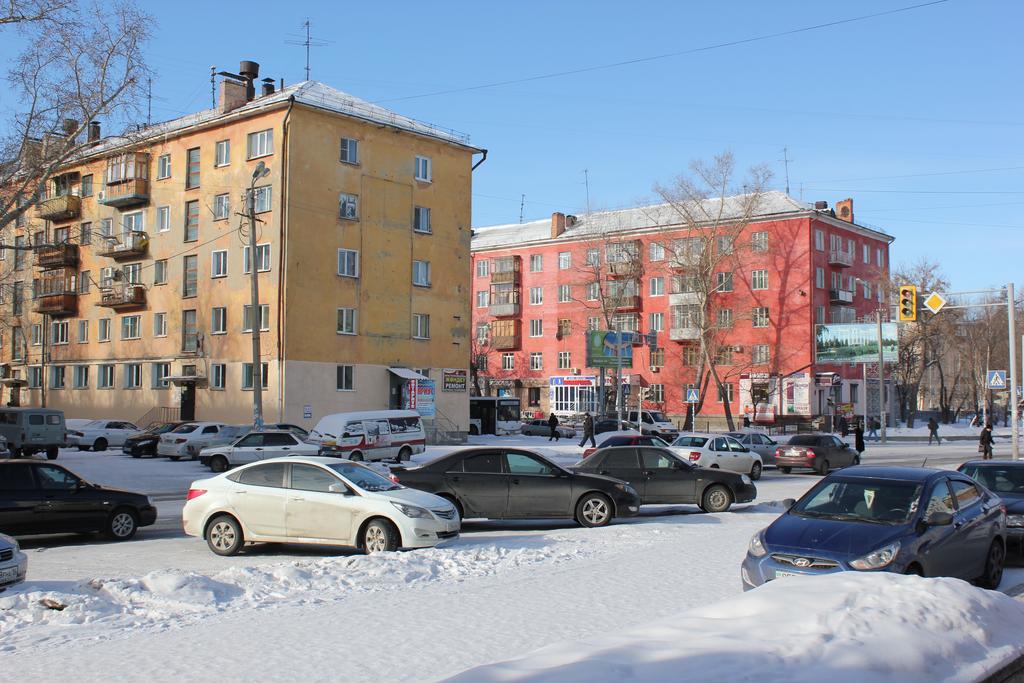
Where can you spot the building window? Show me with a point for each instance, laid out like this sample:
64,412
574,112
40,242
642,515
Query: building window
564,328
247,377
81,378
536,296
262,259
759,279
85,233
536,327
221,207
190,276
536,360
222,153
349,151
57,377
819,278
656,251
564,360
879,261
724,244
819,240
132,273
348,206
481,362
508,361
593,256
160,324
424,172
103,332
761,354
867,289
348,263
481,299
481,332
482,267
247,318
657,286
421,219
83,331
132,375
106,377
655,322
657,358
131,327
218,320
346,321
725,393
759,316
724,318
61,235
866,253
819,315
420,326
260,198
163,167
536,263
35,377
219,263
87,185
218,372
192,221
723,282
593,291
421,273
160,272
260,144
657,392
564,260
163,219
192,169
759,241
594,323
161,371
59,332
564,294
346,376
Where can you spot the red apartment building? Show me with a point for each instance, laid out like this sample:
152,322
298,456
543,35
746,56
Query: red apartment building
801,266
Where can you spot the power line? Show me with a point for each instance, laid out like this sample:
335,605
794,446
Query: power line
667,55
922,175
846,189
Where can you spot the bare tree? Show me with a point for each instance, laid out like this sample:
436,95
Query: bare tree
30,11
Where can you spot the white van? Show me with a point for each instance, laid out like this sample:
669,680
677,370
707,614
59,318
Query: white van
653,422
371,435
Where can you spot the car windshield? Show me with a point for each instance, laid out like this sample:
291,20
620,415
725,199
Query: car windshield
364,478
877,501
658,416
692,441
160,428
185,429
1000,479
95,424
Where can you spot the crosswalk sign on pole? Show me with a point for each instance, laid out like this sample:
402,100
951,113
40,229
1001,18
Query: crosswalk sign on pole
996,379
692,396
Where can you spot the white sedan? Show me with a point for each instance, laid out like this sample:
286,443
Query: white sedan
99,434
175,443
718,452
322,501
256,446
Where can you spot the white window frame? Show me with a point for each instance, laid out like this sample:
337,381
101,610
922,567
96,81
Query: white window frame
819,240
83,331
536,360
348,151
218,376
759,279
564,360
103,322
128,322
421,273
420,326
222,206
421,220
760,317
80,377
539,291
163,167
132,373
564,260
262,264
105,376
481,298
264,313
564,294
348,206
482,267
351,258
819,278
536,263
248,374
536,327
508,361
657,285
158,379
259,144
656,251
160,324
262,198
424,169
219,320
348,377
348,321
655,322
219,263
163,219
222,153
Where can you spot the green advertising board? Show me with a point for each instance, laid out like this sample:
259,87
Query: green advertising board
604,349
855,343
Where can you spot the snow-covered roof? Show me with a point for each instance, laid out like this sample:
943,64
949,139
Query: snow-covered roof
638,218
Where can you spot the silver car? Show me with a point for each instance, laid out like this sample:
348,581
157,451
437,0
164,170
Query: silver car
13,563
541,428
759,443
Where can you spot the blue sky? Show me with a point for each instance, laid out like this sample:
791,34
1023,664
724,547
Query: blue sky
931,94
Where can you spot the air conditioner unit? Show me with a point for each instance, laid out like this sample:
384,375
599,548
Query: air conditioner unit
737,349
101,196
574,371
655,369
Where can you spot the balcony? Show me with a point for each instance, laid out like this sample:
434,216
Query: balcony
124,295
134,245
504,310
684,299
624,269
631,302
57,256
841,296
506,270
505,343
840,257
132,192
684,333
59,207
61,305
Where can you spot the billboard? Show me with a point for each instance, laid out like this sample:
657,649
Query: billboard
454,379
604,349
854,343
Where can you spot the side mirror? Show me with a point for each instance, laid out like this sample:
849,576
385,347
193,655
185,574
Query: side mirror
339,488
788,503
745,450
939,519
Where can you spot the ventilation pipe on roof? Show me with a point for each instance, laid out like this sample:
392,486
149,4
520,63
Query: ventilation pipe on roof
94,131
557,224
820,205
268,86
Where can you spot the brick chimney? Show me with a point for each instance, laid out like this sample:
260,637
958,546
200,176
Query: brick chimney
557,224
232,95
844,210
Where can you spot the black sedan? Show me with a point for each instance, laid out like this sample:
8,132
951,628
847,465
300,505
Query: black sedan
502,483
818,452
662,477
44,498
1005,478
145,443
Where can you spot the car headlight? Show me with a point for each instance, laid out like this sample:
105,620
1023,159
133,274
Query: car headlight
756,547
1015,520
745,479
412,511
626,488
877,559
17,546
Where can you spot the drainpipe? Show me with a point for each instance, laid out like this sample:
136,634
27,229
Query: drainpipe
282,329
482,160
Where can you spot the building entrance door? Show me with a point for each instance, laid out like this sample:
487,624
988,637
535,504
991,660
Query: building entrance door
187,405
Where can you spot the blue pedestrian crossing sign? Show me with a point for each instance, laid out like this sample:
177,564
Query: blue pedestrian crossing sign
996,379
692,396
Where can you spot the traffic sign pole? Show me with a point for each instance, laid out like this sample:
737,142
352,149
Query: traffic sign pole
1012,323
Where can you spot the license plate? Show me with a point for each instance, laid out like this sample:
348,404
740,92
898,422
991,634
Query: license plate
781,575
8,575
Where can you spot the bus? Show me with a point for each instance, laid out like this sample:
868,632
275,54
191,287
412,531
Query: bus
494,415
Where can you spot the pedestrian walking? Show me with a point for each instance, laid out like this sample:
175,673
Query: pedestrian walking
858,440
933,432
985,442
553,426
588,430
844,426
873,428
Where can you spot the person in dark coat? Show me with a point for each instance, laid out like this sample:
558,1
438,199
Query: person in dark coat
933,431
873,428
553,425
858,439
844,426
985,442
588,431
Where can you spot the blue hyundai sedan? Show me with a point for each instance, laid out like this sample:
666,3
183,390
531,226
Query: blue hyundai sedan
897,519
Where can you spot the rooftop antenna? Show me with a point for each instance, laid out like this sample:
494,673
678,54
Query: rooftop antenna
785,160
522,203
213,87
308,41
586,182
149,101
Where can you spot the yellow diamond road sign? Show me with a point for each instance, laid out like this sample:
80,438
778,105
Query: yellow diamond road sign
934,302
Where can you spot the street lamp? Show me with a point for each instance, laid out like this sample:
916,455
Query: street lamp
261,171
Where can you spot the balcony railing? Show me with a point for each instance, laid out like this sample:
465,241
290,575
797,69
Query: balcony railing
684,333
502,277
125,193
57,256
629,302
62,207
506,270
127,295
683,299
134,245
504,310
505,343
60,305
623,269
840,257
840,296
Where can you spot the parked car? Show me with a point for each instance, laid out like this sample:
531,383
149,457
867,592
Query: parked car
145,442
624,438
652,422
314,500
716,451
605,424
294,429
99,434
661,476
759,443
505,483
1004,478
13,563
255,446
541,428
174,444
226,436
905,520
818,452
33,430
371,435
38,497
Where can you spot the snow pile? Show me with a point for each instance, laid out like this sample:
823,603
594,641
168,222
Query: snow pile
840,628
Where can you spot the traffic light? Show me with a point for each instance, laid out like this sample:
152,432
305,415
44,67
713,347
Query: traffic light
908,303
645,393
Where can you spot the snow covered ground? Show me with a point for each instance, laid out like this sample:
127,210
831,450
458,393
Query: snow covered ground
163,607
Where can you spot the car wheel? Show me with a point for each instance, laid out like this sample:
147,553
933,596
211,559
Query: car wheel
822,467
993,566
379,536
755,471
224,535
52,452
100,444
356,457
83,448
405,454
714,467
219,463
122,525
914,570
716,499
785,470
594,510
136,454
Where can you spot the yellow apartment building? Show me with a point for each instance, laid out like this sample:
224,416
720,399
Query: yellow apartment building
135,302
